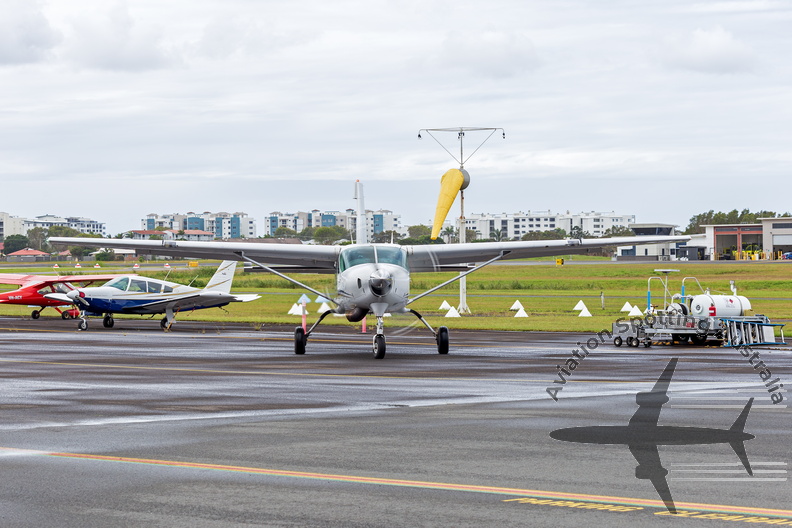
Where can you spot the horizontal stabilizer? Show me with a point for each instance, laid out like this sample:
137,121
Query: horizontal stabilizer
247,297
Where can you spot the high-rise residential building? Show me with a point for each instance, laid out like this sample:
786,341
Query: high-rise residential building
376,221
515,225
81,224
223,225
11,225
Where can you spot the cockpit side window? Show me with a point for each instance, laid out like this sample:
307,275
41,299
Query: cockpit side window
154,287
137,285
120,283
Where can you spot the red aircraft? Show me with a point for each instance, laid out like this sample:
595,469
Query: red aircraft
33,289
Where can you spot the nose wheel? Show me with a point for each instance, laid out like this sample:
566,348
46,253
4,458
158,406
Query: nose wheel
379,346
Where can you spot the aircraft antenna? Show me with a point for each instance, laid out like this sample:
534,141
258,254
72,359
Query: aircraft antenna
460,131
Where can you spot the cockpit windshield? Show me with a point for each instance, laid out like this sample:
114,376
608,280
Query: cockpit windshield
120,283
356,255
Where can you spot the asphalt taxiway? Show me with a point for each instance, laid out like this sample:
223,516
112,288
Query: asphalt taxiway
217,425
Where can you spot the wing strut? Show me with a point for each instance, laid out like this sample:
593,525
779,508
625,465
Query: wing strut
463,274
286,277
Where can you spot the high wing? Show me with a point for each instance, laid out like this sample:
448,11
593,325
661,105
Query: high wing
420,258
300,255
201,299
429,257
46,280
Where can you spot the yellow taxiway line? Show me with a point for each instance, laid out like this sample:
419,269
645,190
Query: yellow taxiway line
551,498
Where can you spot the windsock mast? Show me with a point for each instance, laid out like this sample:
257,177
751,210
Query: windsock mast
452,183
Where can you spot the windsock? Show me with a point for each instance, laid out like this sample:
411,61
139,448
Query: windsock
451,183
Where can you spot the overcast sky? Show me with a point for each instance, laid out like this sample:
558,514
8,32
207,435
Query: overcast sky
662,109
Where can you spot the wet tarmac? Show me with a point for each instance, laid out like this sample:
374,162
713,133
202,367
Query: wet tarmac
220,425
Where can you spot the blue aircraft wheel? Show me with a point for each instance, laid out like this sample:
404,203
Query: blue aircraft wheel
379,346
442,340
299,340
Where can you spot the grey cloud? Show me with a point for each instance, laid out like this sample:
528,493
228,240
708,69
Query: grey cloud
709,51
25,33
497,54
113,40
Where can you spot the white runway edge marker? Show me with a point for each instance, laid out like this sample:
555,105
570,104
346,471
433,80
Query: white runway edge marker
584,313
516,306
453,313
580,305
635,311
445,305
521,313
627,307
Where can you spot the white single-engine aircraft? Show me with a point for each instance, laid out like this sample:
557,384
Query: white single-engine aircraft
370,278
133,294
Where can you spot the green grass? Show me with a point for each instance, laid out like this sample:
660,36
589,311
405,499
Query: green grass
547,292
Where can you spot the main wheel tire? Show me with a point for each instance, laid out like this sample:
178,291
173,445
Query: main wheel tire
299,340
379,346
65,315
82,325
442,340
647,343
35,314
632,341
164,323
108,322
617,341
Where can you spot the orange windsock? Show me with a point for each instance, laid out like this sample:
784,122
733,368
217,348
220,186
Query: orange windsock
451,183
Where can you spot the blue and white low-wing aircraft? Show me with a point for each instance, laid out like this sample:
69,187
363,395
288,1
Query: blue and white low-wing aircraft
133,294
370,278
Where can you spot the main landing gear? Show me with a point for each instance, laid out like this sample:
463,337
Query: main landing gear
378,343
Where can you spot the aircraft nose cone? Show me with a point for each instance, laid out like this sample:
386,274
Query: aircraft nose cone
380,282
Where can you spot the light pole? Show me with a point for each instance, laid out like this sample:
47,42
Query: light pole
453,182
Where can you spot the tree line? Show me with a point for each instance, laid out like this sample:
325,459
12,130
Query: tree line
732,217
